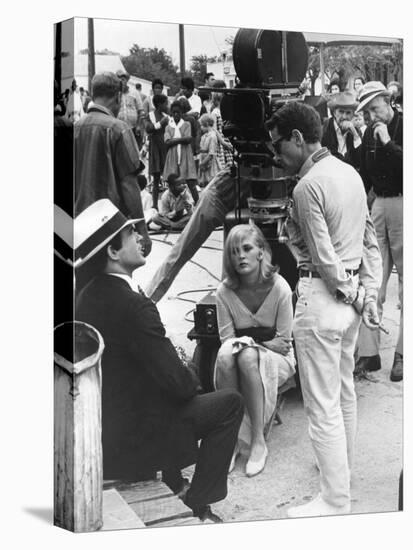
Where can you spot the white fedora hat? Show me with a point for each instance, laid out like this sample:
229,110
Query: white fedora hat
369,91
89,231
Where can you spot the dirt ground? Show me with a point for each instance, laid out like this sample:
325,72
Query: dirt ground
290,476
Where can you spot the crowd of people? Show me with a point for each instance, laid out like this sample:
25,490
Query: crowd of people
345,227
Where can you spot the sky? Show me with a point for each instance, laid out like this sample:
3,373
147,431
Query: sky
120,35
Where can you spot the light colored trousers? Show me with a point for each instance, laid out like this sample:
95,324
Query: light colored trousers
209,213
387,216
325,333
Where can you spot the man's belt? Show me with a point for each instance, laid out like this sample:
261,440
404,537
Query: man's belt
315,274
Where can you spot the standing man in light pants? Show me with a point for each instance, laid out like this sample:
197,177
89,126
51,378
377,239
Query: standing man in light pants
340,273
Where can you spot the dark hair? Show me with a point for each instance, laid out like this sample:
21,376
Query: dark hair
184,103
359,78
176,103
105,85
334,82
159,99
297,116
203,95
219,84
172,178
208,75
156,81
187,82
96,264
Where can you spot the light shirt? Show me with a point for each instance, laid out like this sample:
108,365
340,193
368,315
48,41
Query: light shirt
195,103
183,202
130,107
330,228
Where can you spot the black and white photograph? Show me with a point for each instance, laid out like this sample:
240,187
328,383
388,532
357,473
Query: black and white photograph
226,296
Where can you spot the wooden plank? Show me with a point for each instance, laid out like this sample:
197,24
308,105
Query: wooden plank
117,514
182,522
144,491
160,509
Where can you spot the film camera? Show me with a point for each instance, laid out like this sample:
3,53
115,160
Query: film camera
270,66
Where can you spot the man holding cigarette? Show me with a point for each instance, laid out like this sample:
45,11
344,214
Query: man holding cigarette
339,277
382,170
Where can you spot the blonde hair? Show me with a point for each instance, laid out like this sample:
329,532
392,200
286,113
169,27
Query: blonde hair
206,120
234,239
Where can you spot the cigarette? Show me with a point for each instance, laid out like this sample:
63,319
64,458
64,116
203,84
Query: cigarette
384,329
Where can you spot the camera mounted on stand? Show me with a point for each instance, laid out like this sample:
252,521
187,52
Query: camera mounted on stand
270,66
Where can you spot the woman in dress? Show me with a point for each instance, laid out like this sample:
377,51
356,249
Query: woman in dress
155,127
255,315
208,162
178,140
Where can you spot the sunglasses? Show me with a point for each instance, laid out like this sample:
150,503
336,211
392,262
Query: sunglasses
277,144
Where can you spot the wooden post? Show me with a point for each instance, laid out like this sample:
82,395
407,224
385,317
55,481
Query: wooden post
58,57
91,53
322,75
78,463
182,50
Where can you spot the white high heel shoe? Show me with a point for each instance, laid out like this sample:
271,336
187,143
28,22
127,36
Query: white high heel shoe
254,467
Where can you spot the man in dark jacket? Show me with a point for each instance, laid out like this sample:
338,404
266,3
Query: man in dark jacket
152,415
340,135
382,169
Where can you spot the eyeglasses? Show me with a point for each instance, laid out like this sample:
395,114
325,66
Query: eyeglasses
277,144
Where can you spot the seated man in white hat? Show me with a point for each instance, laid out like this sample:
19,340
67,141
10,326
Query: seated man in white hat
340,135
152,414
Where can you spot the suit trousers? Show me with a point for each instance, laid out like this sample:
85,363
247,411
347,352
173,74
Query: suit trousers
215,418
325,332
387,216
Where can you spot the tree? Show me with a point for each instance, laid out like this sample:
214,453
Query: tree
150,63
373,62
199,64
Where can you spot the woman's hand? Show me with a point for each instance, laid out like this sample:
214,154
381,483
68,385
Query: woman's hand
279,344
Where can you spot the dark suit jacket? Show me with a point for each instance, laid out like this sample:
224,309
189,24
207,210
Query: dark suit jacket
330,141
382,165
144,383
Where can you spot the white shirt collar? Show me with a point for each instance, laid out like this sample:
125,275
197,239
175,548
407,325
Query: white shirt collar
125,278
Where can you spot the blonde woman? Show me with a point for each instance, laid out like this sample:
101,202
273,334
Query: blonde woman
255,316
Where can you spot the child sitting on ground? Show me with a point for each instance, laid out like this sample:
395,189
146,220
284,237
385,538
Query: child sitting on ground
176,205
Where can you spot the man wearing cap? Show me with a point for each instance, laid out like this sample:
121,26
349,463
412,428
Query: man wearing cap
131,107
340,271
340,135
382,169
152,414
106,156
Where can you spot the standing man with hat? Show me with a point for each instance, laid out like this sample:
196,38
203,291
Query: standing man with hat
340,271
106,155
152,415
382,170
340,135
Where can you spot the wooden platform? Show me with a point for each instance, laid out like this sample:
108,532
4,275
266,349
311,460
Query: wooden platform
143,504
